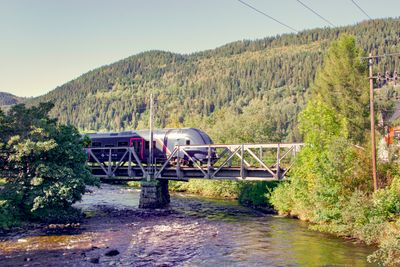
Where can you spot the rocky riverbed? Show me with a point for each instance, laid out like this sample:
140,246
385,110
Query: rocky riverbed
192,232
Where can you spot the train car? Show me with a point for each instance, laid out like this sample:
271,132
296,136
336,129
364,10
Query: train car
165,141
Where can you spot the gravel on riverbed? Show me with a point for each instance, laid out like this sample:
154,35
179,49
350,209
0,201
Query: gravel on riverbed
118,236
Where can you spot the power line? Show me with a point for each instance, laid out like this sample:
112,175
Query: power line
268,16
384,55
316,13
362,10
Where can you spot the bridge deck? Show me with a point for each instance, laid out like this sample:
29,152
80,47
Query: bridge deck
186,173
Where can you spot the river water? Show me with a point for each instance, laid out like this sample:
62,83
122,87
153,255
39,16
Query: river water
192,232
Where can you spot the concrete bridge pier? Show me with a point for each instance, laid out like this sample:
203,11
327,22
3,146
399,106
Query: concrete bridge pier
154,194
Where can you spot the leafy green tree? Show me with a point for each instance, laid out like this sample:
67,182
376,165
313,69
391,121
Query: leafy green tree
43,163
330,167
327,170
342,85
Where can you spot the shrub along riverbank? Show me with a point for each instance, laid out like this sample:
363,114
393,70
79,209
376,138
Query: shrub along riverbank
43,165
331,182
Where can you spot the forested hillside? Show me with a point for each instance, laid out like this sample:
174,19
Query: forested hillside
228,90
7,99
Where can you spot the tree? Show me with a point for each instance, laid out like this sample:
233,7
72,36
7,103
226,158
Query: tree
330,167
341,84
43,164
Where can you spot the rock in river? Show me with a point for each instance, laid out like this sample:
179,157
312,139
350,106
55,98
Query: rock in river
112,252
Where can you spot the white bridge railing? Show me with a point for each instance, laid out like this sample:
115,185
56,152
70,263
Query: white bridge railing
110,166
243,161
243,153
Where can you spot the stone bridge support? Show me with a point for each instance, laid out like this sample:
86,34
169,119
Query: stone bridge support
154,194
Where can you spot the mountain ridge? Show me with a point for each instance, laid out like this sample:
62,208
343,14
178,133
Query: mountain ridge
192,87
8,99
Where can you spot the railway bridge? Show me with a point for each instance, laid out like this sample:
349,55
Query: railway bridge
241,162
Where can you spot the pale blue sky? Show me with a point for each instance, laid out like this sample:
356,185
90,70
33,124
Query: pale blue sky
45,43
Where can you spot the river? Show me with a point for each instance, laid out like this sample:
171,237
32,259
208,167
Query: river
192,232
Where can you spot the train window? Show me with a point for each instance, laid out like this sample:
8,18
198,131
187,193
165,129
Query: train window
187,142
122,144
96,144
109,145
136,146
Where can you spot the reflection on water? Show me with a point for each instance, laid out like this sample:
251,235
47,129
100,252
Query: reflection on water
195,232
254,240
110,195
280,241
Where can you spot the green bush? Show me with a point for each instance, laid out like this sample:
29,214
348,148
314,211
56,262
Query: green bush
8,216
281,199
44,165
207,188
255,194
57,215
384,218
389,245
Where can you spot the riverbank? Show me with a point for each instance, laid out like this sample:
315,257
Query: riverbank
193,231
249,194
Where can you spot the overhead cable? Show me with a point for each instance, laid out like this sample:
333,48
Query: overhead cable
316,13
268,16
362,10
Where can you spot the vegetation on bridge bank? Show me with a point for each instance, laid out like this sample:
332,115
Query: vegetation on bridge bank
331,183
43,165
250,194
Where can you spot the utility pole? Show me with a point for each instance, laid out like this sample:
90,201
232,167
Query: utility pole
150,159
372,113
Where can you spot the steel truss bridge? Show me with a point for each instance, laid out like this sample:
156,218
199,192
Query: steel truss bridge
233,162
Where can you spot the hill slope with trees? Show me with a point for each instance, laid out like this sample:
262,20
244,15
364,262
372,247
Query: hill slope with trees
7,99
243,81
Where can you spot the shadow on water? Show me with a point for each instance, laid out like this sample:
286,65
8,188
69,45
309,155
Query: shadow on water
192,232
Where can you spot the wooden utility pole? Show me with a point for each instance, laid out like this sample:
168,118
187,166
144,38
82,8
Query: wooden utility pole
372,113
150,159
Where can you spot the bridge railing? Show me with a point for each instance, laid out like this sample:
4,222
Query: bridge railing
220,157
220,161
110,167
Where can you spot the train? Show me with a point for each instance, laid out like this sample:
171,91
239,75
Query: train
164,140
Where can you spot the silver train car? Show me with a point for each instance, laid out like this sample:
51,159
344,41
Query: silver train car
164,140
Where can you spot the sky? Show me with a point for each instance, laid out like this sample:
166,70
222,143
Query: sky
46,43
